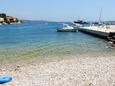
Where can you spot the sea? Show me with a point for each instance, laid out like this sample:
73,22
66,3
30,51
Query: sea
37,38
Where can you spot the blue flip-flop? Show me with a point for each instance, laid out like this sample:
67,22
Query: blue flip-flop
4,80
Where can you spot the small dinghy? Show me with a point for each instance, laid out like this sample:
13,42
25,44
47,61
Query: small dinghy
4,80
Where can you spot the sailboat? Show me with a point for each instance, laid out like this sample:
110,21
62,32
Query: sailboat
100,30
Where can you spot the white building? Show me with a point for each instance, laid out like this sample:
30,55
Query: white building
1,19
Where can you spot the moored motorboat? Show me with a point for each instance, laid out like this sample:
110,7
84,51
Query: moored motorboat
67,28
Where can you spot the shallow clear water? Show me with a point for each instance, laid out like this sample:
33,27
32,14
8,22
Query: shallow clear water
32,39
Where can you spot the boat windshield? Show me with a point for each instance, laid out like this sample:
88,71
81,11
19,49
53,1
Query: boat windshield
65,25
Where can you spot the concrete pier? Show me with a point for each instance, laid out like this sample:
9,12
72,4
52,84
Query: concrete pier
107,32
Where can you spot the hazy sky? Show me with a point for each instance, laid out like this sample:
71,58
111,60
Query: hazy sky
59,10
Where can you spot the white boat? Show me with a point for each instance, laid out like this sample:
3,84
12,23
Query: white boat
67,28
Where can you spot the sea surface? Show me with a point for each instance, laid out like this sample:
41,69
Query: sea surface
34,39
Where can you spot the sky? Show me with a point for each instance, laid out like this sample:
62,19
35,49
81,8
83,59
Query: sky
59,10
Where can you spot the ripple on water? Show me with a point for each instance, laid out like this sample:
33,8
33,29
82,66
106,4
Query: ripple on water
38,39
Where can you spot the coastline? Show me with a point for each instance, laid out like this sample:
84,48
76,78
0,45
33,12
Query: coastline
69,70
24,59
70,60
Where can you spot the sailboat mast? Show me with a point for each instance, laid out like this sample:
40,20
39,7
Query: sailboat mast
100,15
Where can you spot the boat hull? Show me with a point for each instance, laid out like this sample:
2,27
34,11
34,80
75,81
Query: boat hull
67,30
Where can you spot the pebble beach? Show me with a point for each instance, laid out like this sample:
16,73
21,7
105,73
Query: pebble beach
84,70
34,54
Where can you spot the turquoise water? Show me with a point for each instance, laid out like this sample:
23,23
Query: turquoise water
33,38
